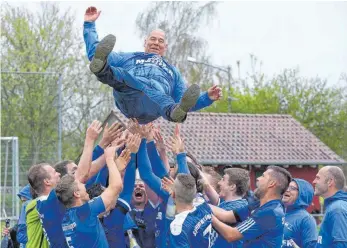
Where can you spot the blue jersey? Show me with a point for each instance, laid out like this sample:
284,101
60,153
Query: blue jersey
162,226
137,73
192,228
82,227
113,224
145,221
51,212
264,228
332,231
230,205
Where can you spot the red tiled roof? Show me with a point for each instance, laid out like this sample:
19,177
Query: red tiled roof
219,138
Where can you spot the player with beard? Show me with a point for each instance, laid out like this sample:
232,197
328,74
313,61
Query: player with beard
264,226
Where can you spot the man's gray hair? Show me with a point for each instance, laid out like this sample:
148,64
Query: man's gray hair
65,190
160,30
337,175
185,188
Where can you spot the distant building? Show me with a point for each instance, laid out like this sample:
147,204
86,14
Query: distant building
251,141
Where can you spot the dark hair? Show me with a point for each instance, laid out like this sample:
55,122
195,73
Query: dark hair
65,190
240,178
36,176
282,177
95,190
61,167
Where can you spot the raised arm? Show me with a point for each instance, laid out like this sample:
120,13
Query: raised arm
132,145
115,185
158,167
160,146
146,172
91,38
177,147
84,164
209,191
110,135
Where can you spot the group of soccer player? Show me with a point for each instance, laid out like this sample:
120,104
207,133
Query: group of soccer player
101,202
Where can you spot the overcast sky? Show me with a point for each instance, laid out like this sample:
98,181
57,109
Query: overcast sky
311,36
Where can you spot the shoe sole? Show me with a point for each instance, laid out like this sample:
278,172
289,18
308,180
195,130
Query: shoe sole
188,101
103,49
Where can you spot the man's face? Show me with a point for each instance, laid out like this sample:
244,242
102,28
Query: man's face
156,43
224,186
54,177
320,183
71,169
139,194
262,183
82,191
291,194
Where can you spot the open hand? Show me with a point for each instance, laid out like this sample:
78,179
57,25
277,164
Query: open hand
94,130
91,14
176,143
159,140
123,160
110,134
133,143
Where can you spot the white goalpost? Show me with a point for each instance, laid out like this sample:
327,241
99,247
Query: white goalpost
9,179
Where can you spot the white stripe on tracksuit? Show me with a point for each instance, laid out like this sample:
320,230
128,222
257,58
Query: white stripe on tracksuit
246,225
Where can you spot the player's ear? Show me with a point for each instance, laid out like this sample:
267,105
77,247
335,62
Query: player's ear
233,187
76,194
47,182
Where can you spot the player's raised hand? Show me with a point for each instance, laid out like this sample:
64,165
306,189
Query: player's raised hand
92,14
215,93
167,184
94,130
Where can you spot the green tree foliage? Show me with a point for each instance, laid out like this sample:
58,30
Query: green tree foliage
46,41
